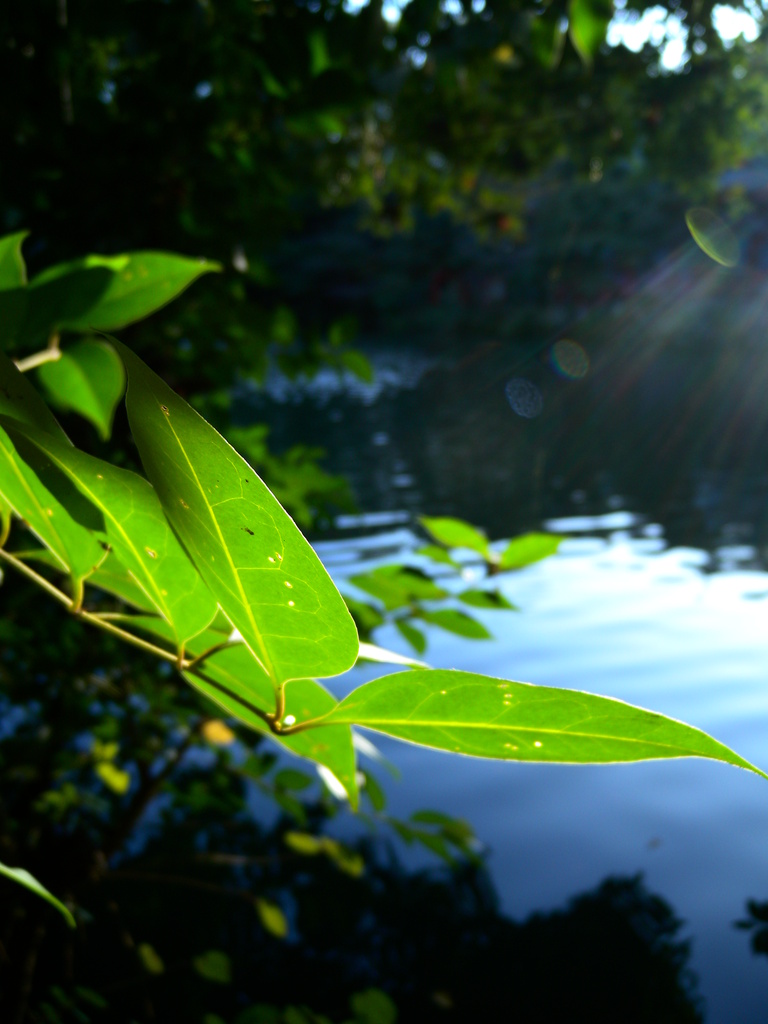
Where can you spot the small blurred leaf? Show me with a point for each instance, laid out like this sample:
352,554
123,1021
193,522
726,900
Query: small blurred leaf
289,778
713,236
457,622
88,379
455,533
304,843
214,965
397,587
151,961
348,861
374,792
529,548
116,779
13,271
358,365
414,636
437,554
272,918
486,599
587,25
547,38
373,1007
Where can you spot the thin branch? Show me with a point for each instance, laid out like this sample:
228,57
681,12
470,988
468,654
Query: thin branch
265,716
145,645
36,578
190,665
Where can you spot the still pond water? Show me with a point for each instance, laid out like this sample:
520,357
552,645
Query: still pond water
658,596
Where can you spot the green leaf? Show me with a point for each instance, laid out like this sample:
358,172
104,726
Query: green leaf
414,636
138,532
487,717
486,599
114,778
88,379
547,39
436,554
373,1007
272,918
289,778
13,282
104,293
529,548
112,578
374,792
5,520
235,681
214,965
55,512
304,843
713,236
587,25
22,877
455,533
457,622
13,270
396,586
151,961
262,571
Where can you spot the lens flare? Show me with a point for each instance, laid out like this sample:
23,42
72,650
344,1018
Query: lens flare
524,397
569,359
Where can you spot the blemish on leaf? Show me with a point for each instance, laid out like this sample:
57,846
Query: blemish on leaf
289,720
99,476
270,558
289,585
183,503
151,553
537,743
49,511
164,408
291,604
245,528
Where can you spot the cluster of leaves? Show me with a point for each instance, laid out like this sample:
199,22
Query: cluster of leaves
216,580
406,595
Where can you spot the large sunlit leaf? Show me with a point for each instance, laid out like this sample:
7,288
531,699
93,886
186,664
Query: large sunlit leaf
486,717
264,574
22,877
113,578
713,236
55,512
105,293
138,532
87,379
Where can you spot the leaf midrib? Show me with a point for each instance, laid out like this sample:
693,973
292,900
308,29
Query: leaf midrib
266,660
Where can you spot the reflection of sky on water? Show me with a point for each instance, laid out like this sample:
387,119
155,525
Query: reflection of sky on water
620,615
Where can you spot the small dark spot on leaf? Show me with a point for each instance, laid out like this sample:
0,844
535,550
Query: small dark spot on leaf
247,530
106,547
165,409
247,480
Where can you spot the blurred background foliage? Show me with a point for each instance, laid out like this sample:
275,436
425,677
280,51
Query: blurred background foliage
421,176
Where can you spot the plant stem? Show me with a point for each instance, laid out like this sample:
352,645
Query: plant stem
41,581
47,355
265,716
